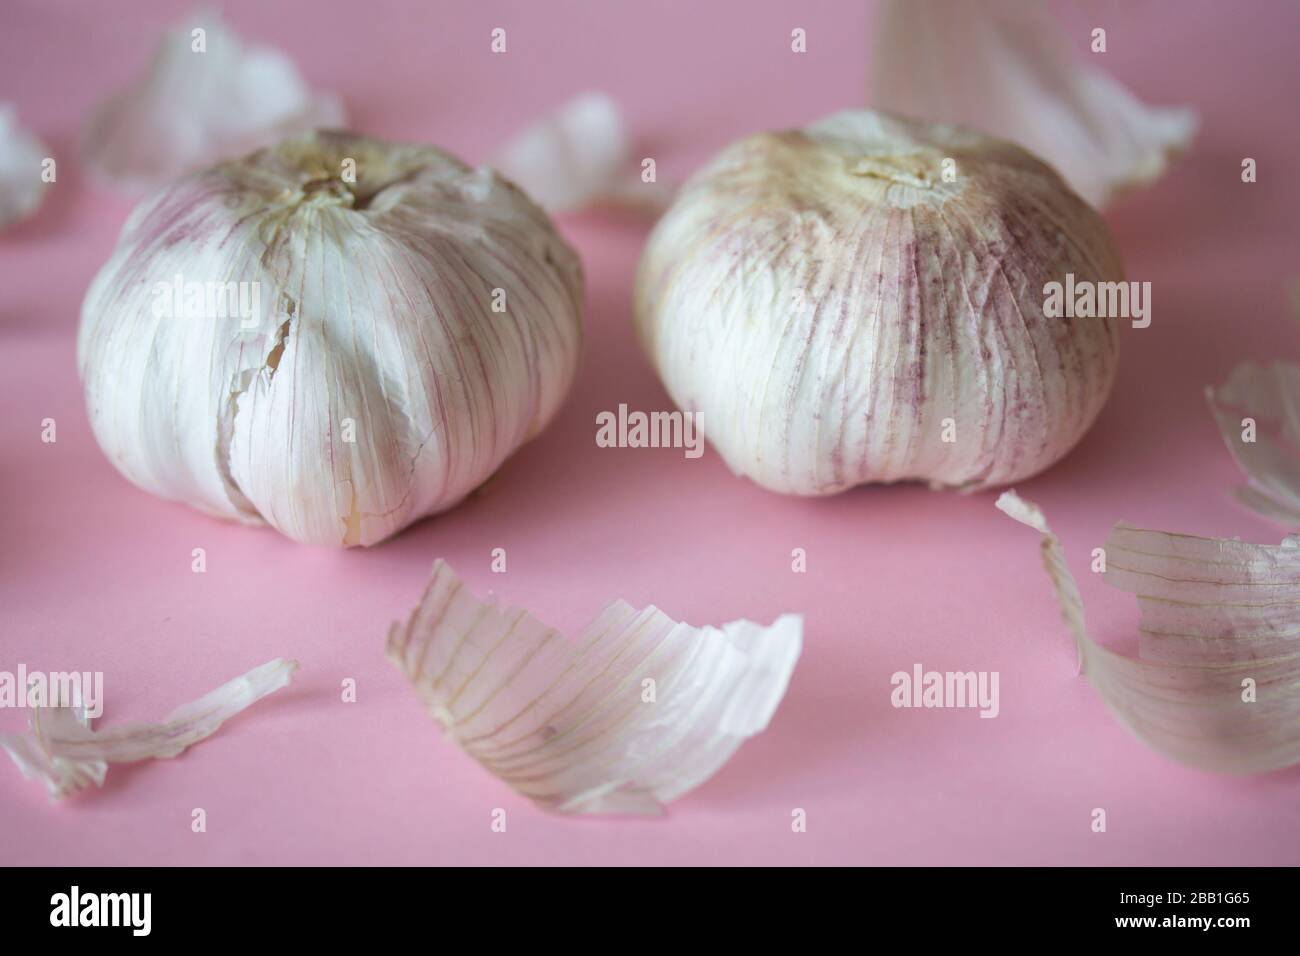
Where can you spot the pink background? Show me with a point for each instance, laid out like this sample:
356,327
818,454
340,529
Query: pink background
95,574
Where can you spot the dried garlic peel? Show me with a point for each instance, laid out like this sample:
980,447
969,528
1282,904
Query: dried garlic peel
634,713
22,186
580,156
1253,401
1217,680
67,755
1003,67
195,106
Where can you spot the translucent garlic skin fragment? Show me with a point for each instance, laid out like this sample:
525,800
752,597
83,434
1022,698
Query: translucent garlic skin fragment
1216,683
580,156
635,712
22,188
418,321
1258,413
193,106
863,301
66,754
1003,67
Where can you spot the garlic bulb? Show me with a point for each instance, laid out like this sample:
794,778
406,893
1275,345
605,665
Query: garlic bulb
1216,683
863,301
335,336
1258,413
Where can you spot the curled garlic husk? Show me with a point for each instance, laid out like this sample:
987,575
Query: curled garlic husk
67,754
22,183
205,96
634,712
1216,683
1258,413
863,301
1003,67
335,336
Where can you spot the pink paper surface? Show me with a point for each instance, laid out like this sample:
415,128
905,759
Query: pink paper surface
96,574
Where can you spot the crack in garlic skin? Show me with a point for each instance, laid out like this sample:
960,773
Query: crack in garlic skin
922,300
375,306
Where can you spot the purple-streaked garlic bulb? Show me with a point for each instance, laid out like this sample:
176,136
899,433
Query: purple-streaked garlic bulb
335,336
863,301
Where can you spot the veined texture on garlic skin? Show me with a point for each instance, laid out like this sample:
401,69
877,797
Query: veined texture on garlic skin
634,712
862,301
63,751
1258,413
335,336
1216,683
1005,67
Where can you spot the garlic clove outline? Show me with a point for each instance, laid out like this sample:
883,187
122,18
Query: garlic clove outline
1216,683
634,712
1258,413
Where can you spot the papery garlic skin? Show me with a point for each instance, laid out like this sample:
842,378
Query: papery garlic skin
379,384
1004,67
580,156
1216,680
838,313
22,187
205,96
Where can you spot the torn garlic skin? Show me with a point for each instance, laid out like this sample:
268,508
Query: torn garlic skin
205,96
1216,683
22,173
335,336
580,156
65,753
1258,413
1003,67
629,715
862,301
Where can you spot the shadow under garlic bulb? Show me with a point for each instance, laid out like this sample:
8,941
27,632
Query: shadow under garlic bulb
335,336
863,301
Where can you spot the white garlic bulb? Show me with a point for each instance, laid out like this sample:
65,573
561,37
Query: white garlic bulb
863,301
335,336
